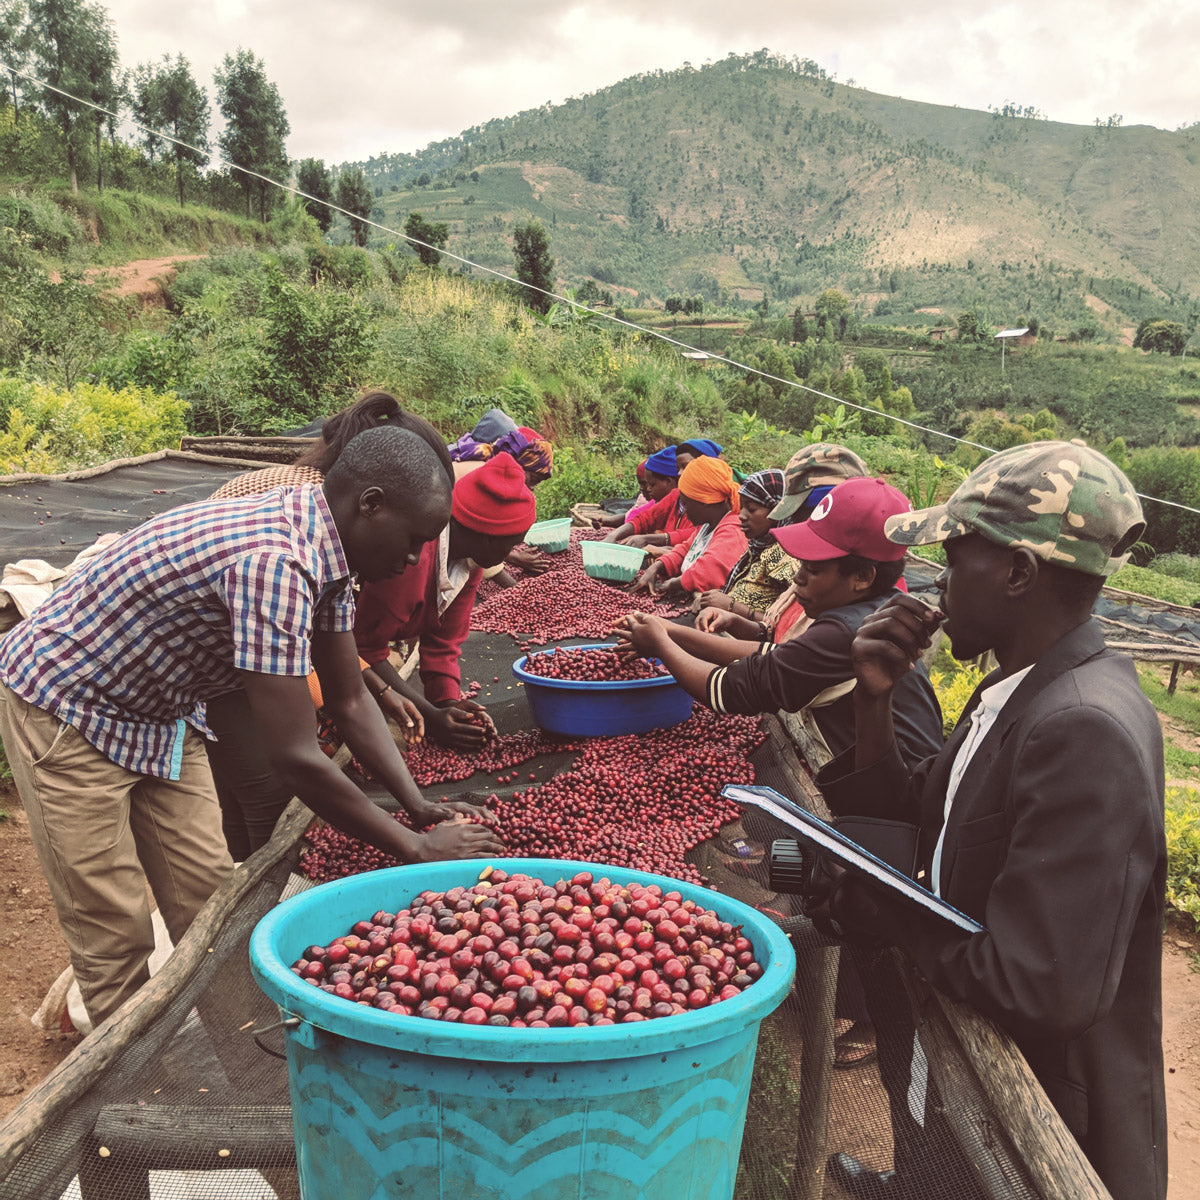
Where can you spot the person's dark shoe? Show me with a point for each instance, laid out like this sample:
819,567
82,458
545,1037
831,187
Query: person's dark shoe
860,1181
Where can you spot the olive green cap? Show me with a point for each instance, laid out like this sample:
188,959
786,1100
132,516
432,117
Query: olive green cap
817,465
1063,500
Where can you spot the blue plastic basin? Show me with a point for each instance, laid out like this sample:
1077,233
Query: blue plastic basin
608,709
388,1106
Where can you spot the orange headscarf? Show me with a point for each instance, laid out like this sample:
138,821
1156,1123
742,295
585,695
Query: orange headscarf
710,481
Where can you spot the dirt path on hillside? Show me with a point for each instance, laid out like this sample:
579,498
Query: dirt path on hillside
144,277
32,955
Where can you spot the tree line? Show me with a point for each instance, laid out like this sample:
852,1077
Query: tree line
61,59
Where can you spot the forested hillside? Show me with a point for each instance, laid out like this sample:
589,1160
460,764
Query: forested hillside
754,208
757,178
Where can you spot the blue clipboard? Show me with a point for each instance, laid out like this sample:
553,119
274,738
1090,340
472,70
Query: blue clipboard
814,831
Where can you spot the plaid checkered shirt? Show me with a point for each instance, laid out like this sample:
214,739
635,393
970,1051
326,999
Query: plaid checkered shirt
128,649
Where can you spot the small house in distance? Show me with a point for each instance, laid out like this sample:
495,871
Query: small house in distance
1017,337
1014,338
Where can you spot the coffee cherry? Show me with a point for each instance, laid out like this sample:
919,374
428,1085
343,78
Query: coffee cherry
576,985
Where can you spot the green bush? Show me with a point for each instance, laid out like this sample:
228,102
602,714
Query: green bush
580,477
44,226
1147,582
148,360
310,356
954,683
1177,566
1170,473
1183,851
342,266
49,430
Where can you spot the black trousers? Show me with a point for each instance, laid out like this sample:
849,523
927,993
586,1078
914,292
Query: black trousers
251,796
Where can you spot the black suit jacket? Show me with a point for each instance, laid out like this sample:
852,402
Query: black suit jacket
1055,844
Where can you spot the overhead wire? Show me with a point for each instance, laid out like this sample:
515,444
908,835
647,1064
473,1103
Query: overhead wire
511,279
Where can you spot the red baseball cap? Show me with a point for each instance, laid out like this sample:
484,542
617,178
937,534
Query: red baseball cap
848,521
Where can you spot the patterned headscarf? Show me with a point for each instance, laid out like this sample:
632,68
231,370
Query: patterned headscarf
538,458
766,488
467,449
763,487
531,450
710,481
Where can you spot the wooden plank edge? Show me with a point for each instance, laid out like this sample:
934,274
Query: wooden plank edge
75,1074
1057,1166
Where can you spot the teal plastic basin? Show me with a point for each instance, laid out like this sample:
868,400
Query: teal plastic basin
388,1106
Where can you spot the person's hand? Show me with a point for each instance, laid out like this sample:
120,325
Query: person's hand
643,633
620,630
434,812
890,641
656,551
716,620
458,838
840,905
457,726
530,561
405,714
671,587
715,598
611,536
645,581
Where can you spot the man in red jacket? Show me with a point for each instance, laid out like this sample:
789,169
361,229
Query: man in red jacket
492,510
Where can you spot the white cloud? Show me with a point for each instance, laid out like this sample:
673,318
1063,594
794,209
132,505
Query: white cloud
372,75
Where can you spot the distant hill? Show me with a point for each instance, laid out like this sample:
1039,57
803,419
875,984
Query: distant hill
761,176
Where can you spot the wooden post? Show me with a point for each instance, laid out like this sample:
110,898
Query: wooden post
1174,678
819,965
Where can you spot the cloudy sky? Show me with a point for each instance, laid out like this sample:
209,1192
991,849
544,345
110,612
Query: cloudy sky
360,77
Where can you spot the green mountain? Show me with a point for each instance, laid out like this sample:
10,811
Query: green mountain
758,176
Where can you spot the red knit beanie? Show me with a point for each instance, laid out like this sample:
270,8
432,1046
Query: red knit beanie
493,499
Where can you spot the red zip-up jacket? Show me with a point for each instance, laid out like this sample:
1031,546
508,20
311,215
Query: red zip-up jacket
405,606
711,569
667,516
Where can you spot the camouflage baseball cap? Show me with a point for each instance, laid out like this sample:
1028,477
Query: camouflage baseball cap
818,465
1062,500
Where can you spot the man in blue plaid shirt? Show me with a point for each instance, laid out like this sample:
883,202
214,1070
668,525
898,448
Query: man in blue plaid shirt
102,694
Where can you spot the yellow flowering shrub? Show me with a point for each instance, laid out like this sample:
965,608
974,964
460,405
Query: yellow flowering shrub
48,430
1183,851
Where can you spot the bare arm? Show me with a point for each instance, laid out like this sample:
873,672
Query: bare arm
283,710
680,649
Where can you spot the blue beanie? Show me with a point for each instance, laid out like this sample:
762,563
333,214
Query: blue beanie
663,463
705,446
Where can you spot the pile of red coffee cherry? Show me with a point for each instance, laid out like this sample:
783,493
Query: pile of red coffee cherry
591,665
511,950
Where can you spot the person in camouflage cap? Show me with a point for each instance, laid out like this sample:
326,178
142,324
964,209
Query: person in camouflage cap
1041,817
815,468
1062,500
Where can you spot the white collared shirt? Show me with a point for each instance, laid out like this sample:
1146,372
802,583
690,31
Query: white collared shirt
991,701
452,576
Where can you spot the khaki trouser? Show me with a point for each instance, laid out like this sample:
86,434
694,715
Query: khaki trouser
101,833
